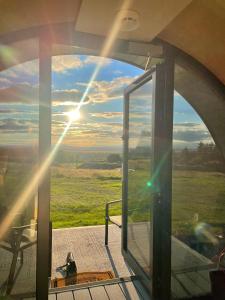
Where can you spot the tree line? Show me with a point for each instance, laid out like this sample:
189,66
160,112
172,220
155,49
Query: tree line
206,157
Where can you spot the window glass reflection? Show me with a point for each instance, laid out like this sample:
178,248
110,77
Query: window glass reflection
198,204
139,175
18,163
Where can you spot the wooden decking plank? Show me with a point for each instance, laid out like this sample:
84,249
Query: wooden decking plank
189,284
98,293
82,294
52,297
177,290
200,281
130,291
205,275
114,292
187,259
65,296
88,248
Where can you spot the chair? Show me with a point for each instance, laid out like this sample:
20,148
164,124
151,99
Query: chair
117,220
16,241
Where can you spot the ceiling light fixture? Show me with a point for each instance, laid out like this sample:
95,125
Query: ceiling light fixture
129,20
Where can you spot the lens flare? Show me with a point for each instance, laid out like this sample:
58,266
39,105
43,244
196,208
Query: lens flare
111,37
73,115
204,232
149,184
8,55
31,188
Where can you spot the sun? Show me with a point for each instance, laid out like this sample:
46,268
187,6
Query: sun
73,115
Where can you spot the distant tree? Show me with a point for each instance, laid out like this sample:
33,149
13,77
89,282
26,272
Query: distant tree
114,158
185,155
201,147
206,157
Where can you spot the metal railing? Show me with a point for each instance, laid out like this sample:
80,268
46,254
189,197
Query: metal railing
107,219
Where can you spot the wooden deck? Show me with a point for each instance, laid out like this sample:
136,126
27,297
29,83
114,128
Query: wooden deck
117,289
190,270
90,253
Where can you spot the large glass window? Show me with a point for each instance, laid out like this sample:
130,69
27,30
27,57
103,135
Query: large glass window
198,202
139,175
18,161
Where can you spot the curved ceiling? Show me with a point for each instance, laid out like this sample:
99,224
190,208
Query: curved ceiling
199,30
194,26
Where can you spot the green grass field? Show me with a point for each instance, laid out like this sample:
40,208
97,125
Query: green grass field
79,196
197,194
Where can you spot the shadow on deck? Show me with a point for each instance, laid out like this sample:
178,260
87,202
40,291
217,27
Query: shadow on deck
90,253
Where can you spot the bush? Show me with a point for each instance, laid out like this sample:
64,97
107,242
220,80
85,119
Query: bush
114,158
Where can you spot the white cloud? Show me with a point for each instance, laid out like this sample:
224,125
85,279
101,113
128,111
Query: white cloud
29,68
117,72
82,83
63,63
67,97
97,60
4,82
103,91
190,134
27,93
107,115
20,93
67,91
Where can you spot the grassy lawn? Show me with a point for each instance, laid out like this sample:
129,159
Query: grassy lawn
79,196
200,194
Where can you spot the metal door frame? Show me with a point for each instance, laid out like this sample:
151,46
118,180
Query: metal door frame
44,193
162,75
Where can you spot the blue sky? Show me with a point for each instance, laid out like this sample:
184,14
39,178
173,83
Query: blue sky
100,124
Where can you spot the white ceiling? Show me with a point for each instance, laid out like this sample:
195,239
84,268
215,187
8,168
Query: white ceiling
97,16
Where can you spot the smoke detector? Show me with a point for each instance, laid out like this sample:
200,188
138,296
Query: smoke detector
129,20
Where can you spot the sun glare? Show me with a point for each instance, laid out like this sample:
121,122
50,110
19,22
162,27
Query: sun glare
73,115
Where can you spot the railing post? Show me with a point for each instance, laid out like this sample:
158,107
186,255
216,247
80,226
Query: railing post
106,223
50,250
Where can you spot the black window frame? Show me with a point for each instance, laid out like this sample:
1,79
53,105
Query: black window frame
162,75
